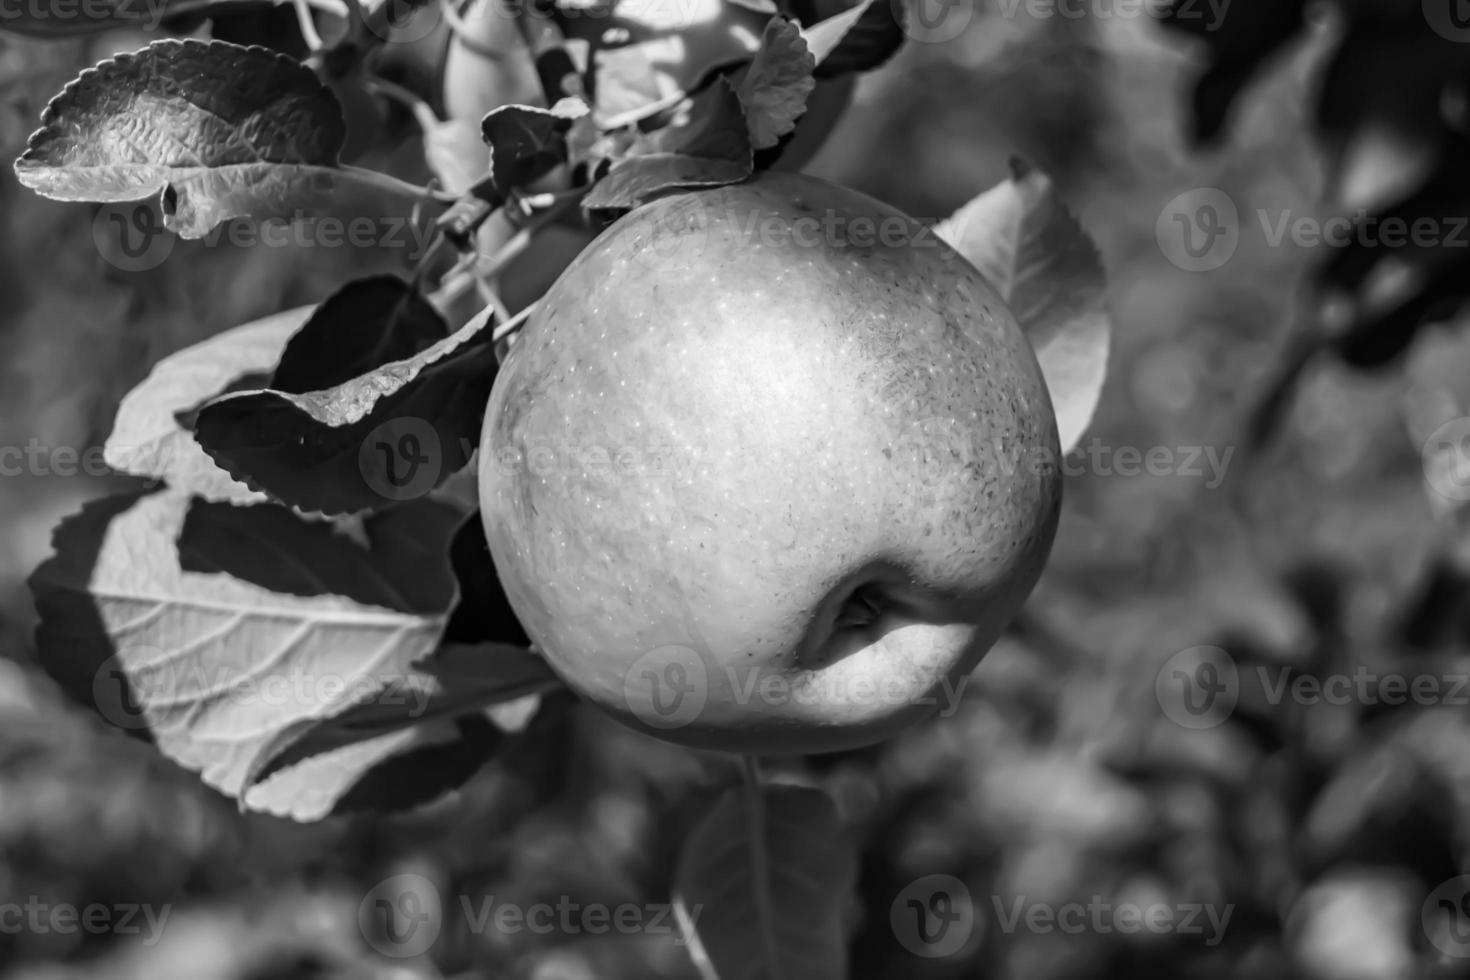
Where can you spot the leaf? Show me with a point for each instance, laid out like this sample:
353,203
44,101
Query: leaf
807,878
221,131
1046,268
391,434
212,628
708,147
639,179
1241,36
527,142
386,774
483,613
362,326
775,87
859,39
456,682
149,436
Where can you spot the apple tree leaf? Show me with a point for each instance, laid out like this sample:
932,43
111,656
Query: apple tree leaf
858,39
219,130
776,84
387,773
483,613
708,146
152,437
391,434
362,326
526,142
212,628
784,918
1046,268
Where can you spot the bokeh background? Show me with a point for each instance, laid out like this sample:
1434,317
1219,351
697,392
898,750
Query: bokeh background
1331,830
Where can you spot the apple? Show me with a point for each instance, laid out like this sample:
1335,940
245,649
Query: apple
756,481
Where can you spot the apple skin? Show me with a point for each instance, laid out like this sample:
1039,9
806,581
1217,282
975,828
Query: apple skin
764,469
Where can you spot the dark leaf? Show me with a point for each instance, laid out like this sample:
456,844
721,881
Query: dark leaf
526,142
359,328
483,614
392,434
860,38
801,892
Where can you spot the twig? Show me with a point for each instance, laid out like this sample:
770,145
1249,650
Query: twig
304,20
423,113
395,185
755,826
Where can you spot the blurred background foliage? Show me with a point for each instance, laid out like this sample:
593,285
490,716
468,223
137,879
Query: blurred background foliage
1059,778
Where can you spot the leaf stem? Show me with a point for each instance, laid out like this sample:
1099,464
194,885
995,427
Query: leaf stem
760,867
510,326
309,33
423,113
393,185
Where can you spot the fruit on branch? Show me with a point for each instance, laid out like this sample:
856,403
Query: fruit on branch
769,469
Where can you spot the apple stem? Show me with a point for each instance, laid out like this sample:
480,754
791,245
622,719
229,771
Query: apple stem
760,868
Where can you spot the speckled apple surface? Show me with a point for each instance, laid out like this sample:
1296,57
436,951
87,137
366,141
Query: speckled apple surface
769,469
